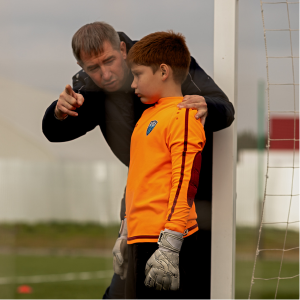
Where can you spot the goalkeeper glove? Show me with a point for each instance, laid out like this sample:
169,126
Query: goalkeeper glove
120,257
162,268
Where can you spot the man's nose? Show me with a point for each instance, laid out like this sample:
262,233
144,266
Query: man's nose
106,74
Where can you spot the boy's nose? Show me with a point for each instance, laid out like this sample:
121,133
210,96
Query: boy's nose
133,85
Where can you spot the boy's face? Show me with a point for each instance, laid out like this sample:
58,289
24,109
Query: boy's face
148,86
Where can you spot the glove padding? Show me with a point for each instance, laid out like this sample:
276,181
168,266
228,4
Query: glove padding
162,269
120,257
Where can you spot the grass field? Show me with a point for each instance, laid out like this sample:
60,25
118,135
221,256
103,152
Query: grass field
46,265
288,289
24,265
64,251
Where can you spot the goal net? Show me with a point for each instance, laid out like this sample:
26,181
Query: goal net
282,139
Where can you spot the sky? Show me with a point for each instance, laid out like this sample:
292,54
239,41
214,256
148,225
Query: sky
35,41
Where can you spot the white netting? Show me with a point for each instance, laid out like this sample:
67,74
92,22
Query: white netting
268,6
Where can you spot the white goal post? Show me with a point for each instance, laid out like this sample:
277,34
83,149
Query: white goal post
224,154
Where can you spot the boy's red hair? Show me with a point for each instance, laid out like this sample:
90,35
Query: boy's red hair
162,48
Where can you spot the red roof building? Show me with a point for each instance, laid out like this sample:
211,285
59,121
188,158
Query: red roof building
283,132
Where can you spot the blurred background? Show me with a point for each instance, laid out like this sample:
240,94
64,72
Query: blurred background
60,202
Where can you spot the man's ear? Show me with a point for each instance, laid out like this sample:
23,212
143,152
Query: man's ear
123,49
80,64
165,71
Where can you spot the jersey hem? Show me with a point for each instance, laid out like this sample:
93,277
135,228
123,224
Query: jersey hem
154,238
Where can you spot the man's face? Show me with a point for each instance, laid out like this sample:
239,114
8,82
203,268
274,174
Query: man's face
148,86
107,69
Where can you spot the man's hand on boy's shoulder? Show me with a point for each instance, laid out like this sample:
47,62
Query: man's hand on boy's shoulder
195,102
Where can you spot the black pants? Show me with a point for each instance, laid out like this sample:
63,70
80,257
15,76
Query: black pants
189,268
116,290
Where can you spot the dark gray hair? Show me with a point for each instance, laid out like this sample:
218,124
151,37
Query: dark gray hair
90,38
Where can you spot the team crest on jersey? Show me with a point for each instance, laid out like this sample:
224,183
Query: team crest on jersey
151,126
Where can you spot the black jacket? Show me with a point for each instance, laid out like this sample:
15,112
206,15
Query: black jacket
116,113
100,106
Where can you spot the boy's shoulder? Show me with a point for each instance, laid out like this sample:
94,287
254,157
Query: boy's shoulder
187,115
185,119
166,111
172,115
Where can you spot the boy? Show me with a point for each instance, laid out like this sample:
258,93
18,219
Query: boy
165,161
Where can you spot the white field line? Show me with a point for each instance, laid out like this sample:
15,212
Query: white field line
56,277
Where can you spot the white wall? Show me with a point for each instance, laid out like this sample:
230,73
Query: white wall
91,191
61,191
279,183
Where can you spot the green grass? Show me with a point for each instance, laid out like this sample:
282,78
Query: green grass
67,235
268,264
36,265
246,242
53,237
84,289
43,265
287,289
77,237
88,289
95,288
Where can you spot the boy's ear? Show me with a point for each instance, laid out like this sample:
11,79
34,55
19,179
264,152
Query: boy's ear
165,71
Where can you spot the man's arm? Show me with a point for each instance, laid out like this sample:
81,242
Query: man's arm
220,109
81,106
69,129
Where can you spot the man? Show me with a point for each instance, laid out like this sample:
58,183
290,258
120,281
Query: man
102,95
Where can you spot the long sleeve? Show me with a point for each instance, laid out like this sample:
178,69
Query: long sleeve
220,109
186,139
72,127
88,114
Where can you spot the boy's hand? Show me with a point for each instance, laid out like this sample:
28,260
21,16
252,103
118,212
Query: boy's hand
195,102
120,261
162,269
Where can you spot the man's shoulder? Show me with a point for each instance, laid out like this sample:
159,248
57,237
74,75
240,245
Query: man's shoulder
82,82
124,38
191,85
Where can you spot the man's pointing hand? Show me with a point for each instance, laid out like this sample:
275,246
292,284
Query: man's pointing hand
67,103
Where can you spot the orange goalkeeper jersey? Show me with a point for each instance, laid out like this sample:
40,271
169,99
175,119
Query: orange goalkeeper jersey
165,161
